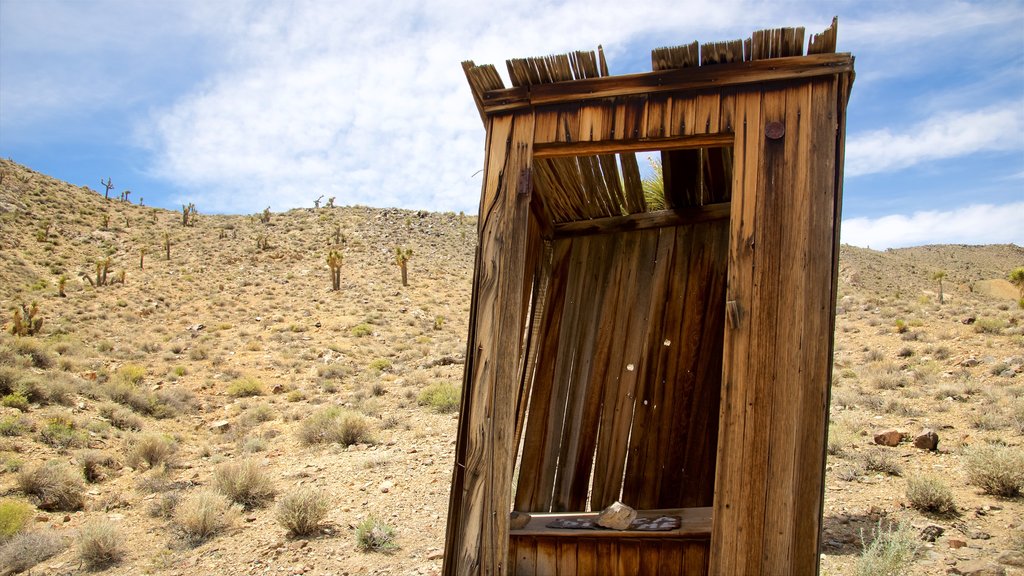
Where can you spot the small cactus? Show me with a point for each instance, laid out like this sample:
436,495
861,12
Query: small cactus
402,260
26,320
334,263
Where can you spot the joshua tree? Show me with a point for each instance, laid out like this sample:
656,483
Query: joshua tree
334,262
1017,279
316,203
167,245
142,258
188,215
330,202
61,282
25,321
108,185
402,259
265,215
940,275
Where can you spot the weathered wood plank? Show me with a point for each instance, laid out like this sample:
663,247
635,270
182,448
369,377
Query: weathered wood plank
523,557
628,558
730,532
689,79
547,556
564,149
643,221
567,563
587,563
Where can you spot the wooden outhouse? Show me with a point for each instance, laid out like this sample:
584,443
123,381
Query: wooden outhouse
673,351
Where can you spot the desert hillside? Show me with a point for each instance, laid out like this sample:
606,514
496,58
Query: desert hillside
194,388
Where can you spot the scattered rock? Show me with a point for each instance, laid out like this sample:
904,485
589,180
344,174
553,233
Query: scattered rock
437,553
517,520
277,389
931,532
386,486
890,437
979,535
927,440
220,426
977,568
618,516
969,320
957,544
1012,558
970,362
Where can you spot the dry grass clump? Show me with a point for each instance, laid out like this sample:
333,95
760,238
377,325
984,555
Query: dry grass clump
997,470
55,484
15,425
151,450
246,386
62,433
373,535
14,515
930,494
989,325
302,511
120,417
27,549
441,396
203,514
94,463
881,460
335,425
244,482
99,544
890,552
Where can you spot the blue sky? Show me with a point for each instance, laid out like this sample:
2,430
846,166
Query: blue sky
236,104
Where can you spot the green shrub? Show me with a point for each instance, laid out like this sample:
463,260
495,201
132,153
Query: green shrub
361,330
61,433
244,482
881,460
14,425
301,512
120,417
997,470
375,536
14,515
441,396
335,425
889,553
99,544
203,514
131,374
989,325
35,351
15,400
380,365
246,386
55,484
27,549
930,494
151,449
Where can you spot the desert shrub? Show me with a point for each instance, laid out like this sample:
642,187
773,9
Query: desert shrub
244,482
14,515
15,400
203,514
62,433
989,325
131,374
930,494
246,386
27,549
99,544
380,365
14,425
997,470
120,417
987,420
840,438
93,463
889,553
61,389
301,512
334,425
881,460
906,351
361,330
441,396
164,505
35,351
8,380
55,484
375,536
151,450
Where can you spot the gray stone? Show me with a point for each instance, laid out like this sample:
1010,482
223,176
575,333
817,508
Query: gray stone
931,532
1012,558
220,426
977,568
927,440
618,516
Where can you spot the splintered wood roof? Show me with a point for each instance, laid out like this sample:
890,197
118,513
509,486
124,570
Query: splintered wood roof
574,182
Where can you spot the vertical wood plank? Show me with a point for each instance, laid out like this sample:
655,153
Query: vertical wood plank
628,557
586,558
523,551
729,531
547,557
567,563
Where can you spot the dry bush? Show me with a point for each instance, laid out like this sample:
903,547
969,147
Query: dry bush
334,425
14,515
55,484
375,536
203,514
441,396
120,417
246,386
99,544
93,463
151,450
301,512
930,494
997,470
27,549
36,352
889,553
62,433
881,460
244,482
163,505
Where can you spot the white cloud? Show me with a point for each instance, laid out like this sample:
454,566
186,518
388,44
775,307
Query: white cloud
367,101
946,135
975,224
